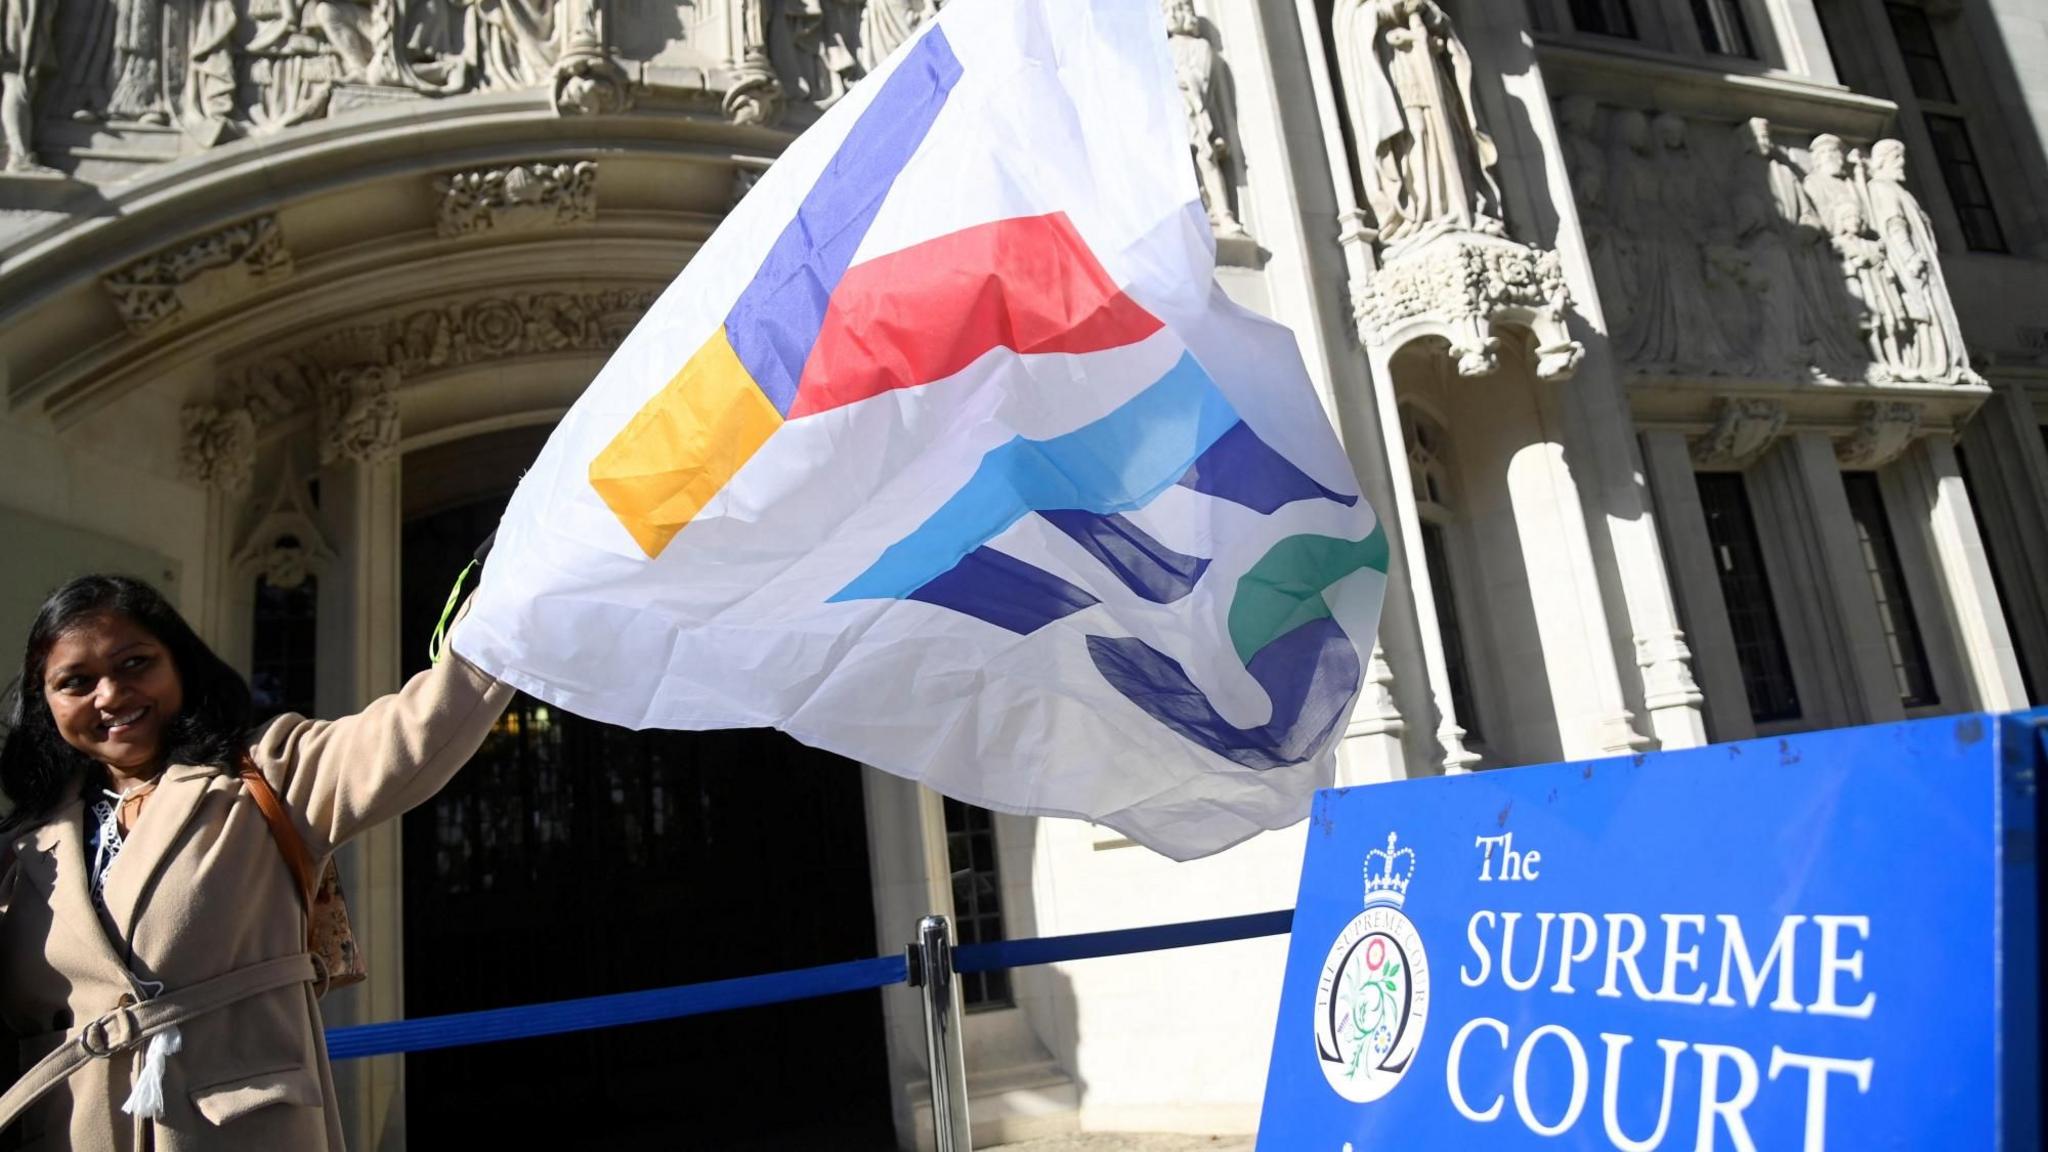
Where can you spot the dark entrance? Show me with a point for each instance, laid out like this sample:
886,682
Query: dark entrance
572,858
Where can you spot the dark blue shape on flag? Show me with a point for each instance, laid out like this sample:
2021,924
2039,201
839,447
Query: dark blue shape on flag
1145,566
1243,469
1309,674
1000,589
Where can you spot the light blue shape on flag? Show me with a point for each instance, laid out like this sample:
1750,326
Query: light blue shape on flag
1115,464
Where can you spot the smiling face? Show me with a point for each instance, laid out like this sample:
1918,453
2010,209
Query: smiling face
113,691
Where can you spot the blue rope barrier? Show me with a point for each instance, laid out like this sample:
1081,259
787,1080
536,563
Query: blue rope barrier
1119,942
464,1028
610,1011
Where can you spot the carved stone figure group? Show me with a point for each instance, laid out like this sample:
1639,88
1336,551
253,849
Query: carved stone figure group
1720,253
215,69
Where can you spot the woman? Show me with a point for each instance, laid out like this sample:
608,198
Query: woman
140,885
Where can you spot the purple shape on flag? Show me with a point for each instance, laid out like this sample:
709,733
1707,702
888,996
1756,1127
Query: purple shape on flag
999,589
1145,566
1309,674
1244,469
775,322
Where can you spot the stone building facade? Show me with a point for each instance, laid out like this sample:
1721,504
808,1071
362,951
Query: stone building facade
1695,353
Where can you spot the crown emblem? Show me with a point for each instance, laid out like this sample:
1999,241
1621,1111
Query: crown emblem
1390,886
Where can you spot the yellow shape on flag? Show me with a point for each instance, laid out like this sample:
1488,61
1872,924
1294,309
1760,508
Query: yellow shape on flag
688,441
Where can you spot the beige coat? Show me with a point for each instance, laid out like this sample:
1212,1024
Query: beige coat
200,889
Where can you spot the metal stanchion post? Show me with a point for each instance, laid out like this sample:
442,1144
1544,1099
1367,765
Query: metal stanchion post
944,1051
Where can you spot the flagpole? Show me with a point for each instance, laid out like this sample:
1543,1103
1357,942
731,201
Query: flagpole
945,1054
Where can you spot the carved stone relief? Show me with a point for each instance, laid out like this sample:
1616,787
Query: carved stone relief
200,275
349,375
1721,252
220,69
218,447
517,198
359,415
1883,429
286,547
1744,427
744,177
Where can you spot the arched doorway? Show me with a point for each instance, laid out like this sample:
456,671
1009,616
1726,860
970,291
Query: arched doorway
572,858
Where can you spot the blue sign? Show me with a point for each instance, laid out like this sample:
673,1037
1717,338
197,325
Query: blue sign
1814,943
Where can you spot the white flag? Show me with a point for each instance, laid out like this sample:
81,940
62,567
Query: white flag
947,454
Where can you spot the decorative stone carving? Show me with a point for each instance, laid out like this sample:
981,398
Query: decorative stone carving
1205,95
201,275
286,548
27,55
1426,160
423,341
1883,430
744,177
1744,427
1459,286
587,81
359,415
218,448
755,95
517,198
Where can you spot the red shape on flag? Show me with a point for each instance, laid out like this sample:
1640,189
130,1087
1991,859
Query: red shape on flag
921,314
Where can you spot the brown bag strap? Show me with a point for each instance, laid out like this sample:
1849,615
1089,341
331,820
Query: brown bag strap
297,856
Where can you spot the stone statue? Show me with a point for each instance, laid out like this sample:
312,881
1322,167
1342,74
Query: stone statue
1895,213
1408,90
139,94
202,71
1881,314
85,31
302,49
1871,282
516,42
886,24
26,56
428,47
1807,288
811,46
1205,96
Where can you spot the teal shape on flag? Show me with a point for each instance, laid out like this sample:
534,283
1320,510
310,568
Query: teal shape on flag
1117,463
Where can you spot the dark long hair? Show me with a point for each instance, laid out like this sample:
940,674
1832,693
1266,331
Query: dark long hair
37,766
